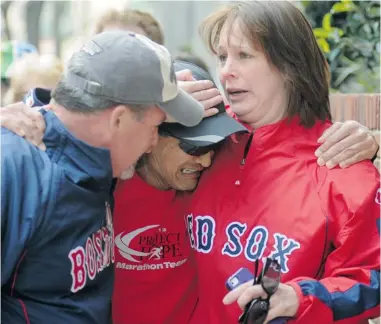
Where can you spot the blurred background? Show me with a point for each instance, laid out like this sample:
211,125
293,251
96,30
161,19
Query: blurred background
348,31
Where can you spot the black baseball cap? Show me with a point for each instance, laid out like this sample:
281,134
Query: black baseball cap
211,130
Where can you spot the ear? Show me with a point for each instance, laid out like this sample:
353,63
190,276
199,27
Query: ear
159,146
118,114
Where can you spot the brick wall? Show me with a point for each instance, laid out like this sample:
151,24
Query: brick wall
364,108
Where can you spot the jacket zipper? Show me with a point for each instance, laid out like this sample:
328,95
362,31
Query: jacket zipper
243,161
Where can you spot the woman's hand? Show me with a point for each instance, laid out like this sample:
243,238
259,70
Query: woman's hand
203,91
345,144
283,303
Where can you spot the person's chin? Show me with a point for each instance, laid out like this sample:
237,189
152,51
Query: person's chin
244,114
239,107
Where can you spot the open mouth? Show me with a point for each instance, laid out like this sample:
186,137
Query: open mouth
236,92
189,171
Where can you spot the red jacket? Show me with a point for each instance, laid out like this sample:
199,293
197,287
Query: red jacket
322,225
155,276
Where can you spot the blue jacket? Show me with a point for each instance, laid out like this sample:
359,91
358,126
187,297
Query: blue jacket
56,230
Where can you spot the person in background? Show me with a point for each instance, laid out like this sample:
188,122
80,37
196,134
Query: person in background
266,197
194,59
140,22
11,51
145,24
32,71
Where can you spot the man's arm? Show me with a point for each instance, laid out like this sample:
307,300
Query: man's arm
345,144
342,144
21,196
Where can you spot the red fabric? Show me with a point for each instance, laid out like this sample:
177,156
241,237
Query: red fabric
165,293
282,202
236,137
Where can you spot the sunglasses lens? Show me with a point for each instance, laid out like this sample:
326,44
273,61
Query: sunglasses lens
257,312
271,277
197,150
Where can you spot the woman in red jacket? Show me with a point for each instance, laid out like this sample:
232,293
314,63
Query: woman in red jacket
267,197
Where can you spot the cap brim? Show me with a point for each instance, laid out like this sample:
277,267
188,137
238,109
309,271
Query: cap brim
184,109
209,131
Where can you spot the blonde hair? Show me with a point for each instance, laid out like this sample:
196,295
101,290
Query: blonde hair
31,71
131,17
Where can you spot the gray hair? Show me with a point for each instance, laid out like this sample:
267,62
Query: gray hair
78,100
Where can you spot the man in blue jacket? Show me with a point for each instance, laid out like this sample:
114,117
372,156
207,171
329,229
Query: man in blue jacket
56,226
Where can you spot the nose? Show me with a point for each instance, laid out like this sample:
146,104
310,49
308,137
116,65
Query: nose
227,71
205,160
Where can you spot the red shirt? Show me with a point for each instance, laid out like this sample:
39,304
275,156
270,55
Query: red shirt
321,225
155,278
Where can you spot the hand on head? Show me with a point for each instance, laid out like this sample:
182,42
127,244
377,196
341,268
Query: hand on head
204,91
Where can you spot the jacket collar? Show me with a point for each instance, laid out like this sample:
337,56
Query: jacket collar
85,165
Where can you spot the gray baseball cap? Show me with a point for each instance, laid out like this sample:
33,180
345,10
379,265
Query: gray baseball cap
129,68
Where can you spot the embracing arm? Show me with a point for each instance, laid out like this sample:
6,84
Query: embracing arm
342,144
346,143
30,124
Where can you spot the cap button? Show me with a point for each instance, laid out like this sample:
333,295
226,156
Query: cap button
237,183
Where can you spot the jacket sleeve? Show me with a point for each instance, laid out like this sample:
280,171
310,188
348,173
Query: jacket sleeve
349,291
20,201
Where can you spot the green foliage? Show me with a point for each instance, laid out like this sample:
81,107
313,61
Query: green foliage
348,32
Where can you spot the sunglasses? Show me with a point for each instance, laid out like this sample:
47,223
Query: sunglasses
197,150
256,311
188,148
